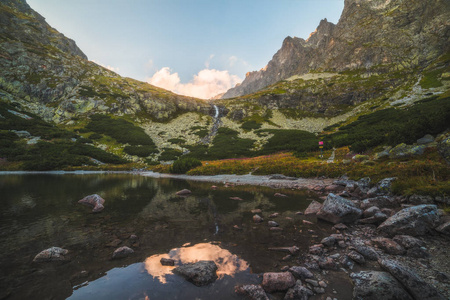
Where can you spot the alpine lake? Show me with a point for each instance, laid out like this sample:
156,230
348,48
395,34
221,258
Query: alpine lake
39,211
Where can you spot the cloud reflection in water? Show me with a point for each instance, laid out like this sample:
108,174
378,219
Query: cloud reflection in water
227,263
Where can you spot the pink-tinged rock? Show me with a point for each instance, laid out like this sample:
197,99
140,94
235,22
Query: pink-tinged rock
280,281
214,187
183,192
94,201
122,252
51,254
257,219
307,222
274,215
334,188
236,198
313,208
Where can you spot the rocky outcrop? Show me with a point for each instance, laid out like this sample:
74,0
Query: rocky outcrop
393,33
374,285
415,220
337,209
200,273
415,285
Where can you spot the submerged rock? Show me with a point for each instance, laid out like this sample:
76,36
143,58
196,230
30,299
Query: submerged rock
183,192
51,254
415,285
257,219
416,220
301,272
94,201
167,261
337,209
375,285
280,281
200,273
122,252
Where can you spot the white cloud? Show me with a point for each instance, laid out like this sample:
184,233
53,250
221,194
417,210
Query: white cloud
205,85
107,66
208,61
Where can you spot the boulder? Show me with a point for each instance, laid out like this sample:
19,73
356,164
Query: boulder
200,273
403,150
313,208
301,272
426,139
272,224
375,285
280,281
94,201
389,246
327,263
363,185
380,201
167,261
415,285
360,157
122,252
355,256
183,192
384,153
366,251
371,211
378,218
51,254
444,228
408,241
444,148
328,241
252,291
383,187
257,219
337,209
415,220
298,292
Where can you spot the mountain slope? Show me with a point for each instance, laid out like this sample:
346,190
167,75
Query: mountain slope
374,35
49,75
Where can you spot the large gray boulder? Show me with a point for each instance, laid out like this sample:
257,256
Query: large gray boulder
375,285
337,209
380,201
51,254
94,201
415,220
199,273
415,285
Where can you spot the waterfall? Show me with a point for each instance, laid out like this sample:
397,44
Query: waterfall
217,112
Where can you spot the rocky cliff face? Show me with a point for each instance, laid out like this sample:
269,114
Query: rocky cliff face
381,35
46,73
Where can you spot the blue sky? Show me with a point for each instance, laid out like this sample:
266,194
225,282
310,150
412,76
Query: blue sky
185,43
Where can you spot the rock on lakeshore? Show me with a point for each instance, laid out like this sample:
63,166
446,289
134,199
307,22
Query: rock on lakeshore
94,201
337,209
51,254
281,281
200,273
415,285
183,192
375,285
415,220
252,291
313,208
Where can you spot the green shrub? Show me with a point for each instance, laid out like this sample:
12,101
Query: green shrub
250,125
170,154
95,136
289,140
394,126
141,151
121,130
182,165
177,141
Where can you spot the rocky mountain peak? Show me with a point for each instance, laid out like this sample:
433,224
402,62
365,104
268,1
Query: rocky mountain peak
387,34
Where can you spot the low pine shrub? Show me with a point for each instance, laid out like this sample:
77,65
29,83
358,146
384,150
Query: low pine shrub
182,165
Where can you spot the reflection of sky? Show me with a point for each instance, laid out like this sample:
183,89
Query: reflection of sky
227,263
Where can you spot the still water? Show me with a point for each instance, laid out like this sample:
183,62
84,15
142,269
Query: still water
39,211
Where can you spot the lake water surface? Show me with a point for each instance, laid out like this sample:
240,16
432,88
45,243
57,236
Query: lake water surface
39,211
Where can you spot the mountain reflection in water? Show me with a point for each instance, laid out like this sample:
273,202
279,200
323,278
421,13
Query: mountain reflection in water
227,263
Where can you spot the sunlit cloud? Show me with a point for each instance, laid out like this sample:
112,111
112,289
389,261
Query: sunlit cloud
107,66
205,85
